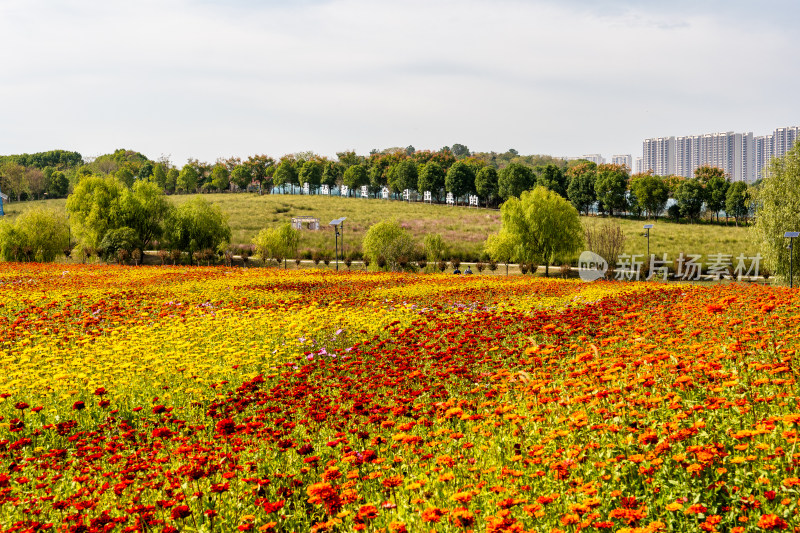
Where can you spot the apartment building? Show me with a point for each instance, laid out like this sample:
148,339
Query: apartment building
625,159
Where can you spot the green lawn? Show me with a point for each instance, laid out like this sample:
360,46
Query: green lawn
464,229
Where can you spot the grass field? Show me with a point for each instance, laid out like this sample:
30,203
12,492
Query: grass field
464,229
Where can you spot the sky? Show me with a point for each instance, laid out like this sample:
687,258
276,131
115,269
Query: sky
211,79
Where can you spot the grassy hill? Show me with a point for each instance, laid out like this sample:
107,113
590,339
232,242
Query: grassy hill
464,229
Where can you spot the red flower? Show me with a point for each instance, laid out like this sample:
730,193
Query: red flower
78,406
21,406
180,512
226,426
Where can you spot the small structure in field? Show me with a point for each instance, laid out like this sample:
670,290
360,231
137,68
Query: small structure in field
307,222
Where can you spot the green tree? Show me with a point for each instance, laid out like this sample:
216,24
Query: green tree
581,190
610,187
460,180
486,185
241,176
285,174
125,176
117,239
544,226
690,197
355,176
706,173
220,177
59,185
144,209
94,208
197,225
261,168
460,151
552,177
35,235
404,176
159,176
13,180
737,201
716,194
278,243
388,240
501,247
188,179
651,193
435,247
332,173
778,211
431,178
172,180
311,174
514,179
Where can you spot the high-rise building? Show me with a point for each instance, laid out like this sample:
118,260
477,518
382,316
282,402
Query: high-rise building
659,155
639,164
626,160
594,158
740,155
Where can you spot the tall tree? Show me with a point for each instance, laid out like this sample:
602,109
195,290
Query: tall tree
552,177
690,197
610,187
220,177
404,176
544,226
355,176
716,194
651,193
197,225
94,208
581,190
13,180
241,176
431,178
486,184
187,179
460,180
514,179
460,151
737,201
778,199
311,174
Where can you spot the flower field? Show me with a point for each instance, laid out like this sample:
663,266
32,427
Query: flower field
218,399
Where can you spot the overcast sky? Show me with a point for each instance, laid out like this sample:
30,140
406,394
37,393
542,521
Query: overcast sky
209,79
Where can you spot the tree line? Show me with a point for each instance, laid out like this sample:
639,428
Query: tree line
492,177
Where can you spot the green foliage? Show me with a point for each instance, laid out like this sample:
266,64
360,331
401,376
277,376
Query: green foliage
220,177
197,225
610,186
94,208
159,176
435,247
286,173
737,201
355,177
188,179
778,201
404,176
716,194
651,193
514,179
581,190
277,243
144,209
543,225
460,151
705,174
486,185
387,240
125,176
690,197
552,177
13,180
58,159
460,179
431,178
114,240
501,247
311,174
37,234
58,186
332,173
172,180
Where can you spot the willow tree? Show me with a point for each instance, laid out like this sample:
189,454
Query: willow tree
543,226
778,211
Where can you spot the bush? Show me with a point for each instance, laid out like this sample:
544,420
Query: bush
523,268
422,264
479,266
36,235
455,262
441,265
674,212
566,270
492,265
388,240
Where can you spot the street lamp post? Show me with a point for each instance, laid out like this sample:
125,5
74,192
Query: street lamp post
791,235
338,224
647,228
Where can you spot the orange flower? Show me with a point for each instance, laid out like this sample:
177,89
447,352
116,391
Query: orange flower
432,514
772,522
393,481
